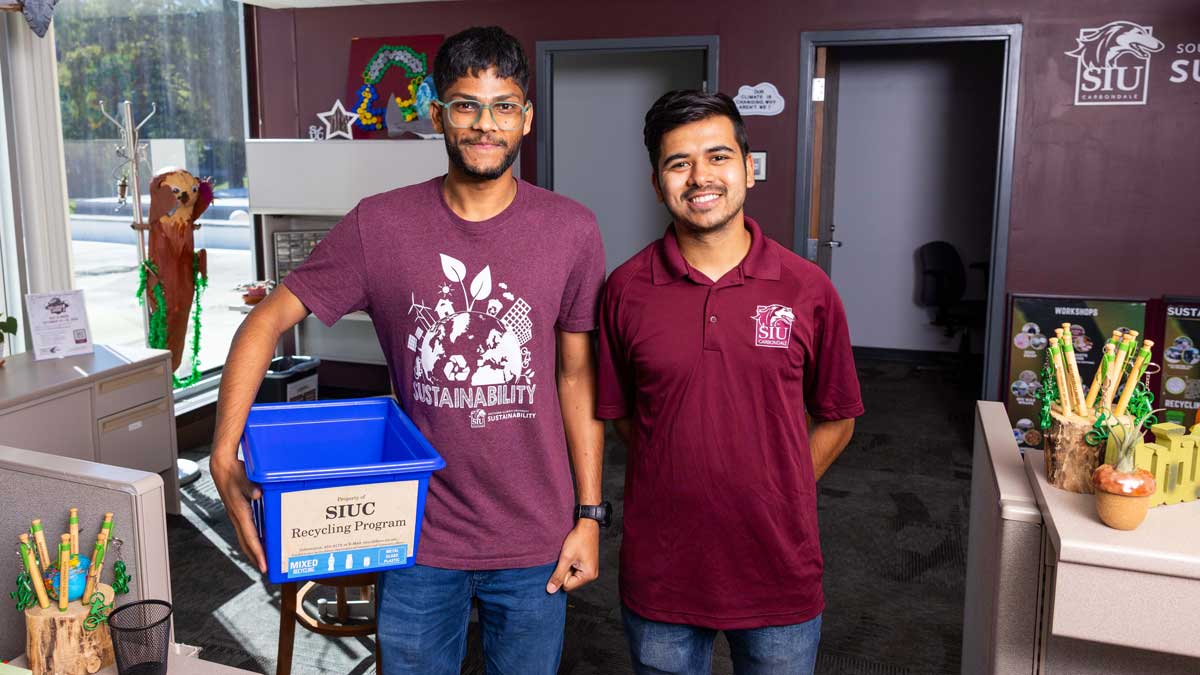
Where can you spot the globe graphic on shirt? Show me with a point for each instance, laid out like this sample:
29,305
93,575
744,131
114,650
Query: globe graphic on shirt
469,348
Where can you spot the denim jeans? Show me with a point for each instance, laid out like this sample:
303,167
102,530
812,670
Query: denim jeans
423,615
660,648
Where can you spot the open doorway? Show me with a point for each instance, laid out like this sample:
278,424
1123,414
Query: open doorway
592,101
903,182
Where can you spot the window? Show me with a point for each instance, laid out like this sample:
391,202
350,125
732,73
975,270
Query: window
183,56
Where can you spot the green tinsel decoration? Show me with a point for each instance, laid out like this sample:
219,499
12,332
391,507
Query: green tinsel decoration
157,337
1141,404
1045,395
1099,432
24,593
121,578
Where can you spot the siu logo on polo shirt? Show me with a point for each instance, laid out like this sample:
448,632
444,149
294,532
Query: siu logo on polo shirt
773,326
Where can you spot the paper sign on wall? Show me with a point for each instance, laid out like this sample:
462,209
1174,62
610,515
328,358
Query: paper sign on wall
58,323
348,528
761,99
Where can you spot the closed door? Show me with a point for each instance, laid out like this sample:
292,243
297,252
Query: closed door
599,104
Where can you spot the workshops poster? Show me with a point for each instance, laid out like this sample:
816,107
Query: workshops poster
1032,321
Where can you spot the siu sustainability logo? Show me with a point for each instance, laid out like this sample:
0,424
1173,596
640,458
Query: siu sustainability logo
1112,63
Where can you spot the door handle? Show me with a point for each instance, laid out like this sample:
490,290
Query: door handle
833,243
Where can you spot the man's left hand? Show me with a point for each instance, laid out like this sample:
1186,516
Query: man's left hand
579,561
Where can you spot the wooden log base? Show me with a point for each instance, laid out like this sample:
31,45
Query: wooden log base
58,644
1070,461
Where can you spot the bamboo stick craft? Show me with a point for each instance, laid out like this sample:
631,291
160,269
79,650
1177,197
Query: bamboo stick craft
1073,368
1060,376
74,531
40,538
1139,366
1106,362
1114,377
97,564
35,574
64,571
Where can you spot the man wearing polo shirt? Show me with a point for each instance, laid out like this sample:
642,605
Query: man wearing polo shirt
715,342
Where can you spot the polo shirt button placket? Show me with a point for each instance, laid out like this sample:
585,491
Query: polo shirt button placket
710,331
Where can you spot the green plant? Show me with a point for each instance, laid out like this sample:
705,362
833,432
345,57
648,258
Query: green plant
1128,439
8,324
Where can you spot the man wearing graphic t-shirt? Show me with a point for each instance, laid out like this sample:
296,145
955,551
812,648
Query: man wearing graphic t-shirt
482,289
714,343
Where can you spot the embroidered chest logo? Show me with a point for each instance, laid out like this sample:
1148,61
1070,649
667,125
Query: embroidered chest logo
469,350
773,326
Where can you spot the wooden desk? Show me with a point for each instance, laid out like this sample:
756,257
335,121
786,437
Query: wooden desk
114,406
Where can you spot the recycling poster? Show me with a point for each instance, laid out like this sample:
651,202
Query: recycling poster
1180,390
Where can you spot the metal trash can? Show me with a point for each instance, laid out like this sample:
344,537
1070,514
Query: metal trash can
289,378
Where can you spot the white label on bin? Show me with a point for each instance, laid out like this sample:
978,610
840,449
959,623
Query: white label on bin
353,528
302,390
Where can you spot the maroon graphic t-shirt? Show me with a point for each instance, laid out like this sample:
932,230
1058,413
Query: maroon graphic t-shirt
466,313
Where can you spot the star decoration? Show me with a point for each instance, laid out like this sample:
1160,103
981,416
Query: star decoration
337,121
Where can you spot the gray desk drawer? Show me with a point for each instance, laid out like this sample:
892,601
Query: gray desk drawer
59,426
125,391
138,438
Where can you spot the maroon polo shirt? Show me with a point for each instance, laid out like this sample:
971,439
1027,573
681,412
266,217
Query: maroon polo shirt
720,521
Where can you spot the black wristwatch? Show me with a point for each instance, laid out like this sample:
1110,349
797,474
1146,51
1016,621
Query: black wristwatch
601,513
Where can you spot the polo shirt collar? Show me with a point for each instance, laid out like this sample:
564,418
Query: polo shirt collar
761,262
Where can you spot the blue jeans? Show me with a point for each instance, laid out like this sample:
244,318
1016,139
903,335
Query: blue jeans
424,611
660,648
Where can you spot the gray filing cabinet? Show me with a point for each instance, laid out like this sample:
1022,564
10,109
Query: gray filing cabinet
114,406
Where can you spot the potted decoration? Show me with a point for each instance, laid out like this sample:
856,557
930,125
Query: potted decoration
8,324
1123,491
254,291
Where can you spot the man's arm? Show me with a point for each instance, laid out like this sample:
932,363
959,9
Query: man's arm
579,561
826,440
249,355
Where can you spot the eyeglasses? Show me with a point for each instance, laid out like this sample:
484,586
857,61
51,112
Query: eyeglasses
464,113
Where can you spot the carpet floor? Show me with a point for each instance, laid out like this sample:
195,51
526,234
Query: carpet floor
893,519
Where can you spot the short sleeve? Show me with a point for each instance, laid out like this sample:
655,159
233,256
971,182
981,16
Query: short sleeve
333,281
831,389
577,314
613,394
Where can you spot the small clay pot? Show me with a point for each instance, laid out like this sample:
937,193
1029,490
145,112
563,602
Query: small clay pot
1121,512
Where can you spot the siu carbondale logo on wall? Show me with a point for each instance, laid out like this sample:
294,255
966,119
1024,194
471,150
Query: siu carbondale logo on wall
1113,63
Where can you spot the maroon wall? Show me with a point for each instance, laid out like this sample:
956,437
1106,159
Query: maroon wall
1105,198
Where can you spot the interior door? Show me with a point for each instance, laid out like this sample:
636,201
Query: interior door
600,101
916,132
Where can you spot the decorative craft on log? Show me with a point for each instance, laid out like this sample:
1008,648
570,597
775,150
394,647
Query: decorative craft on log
59,643
1070,460
177,200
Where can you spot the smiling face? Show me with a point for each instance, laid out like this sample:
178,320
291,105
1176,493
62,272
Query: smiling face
482,151
702,175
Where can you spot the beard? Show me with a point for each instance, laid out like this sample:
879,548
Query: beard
454,152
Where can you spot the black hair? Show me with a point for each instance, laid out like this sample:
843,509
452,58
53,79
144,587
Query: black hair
475,50
684,106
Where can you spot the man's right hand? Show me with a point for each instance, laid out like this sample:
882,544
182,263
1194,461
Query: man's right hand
249,355
236,492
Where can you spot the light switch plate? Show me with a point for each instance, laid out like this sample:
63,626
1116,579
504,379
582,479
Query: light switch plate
760,165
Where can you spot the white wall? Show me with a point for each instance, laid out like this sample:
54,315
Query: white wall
917,129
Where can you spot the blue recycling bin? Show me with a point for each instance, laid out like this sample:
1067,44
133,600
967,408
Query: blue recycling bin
343,486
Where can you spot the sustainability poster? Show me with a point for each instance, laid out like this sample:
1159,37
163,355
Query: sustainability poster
1180,394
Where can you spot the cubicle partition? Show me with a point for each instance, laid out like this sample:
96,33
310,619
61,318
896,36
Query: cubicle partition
39,485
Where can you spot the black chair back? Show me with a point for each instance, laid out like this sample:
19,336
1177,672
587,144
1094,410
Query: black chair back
943,278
